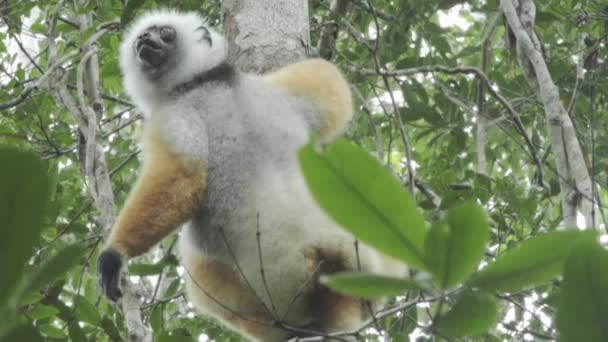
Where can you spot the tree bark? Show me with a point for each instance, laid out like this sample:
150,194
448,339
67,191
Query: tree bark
264,35
95,168
575,182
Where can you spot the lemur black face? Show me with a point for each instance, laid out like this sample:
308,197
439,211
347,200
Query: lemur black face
155,48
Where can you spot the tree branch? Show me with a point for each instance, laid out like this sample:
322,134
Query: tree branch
571,166
471,71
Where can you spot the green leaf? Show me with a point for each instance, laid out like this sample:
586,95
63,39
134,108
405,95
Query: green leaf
534,261
53,176
30,298
177,335
455,246
21,333
582,313
86,311
156,318
23,202
56,267
139,269
76,332
364,198
367,285
151,269
410,321
473,314
42,311
110,328
128,13
51,331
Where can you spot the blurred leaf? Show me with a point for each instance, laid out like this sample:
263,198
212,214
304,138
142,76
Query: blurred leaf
455,246
30,298
21,333
365,199
86,311
141,269
473,314
76,332
583,299
128,13
173,287
367,285
52,331
177,335
410,321
156,318
42,311
534,261
110,328
55,267
23,202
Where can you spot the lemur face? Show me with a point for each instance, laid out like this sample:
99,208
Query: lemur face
164,48
156,47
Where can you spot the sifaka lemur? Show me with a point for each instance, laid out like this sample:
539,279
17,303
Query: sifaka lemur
220,160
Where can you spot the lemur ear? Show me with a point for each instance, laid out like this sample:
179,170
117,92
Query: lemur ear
206,35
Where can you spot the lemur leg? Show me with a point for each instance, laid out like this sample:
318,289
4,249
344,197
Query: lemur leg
321,83
216,288
334,312
165,196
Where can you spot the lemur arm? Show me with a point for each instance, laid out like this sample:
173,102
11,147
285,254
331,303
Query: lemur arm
165,196
323,84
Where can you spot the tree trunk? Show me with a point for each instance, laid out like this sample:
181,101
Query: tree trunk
264,35
574,178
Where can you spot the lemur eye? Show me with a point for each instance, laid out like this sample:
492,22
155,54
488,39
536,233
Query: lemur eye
206,35
167,34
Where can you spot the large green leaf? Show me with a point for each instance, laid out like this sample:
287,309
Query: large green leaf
365,199
21,333
534,261
583,300
367,285
455,246
55,267
23,202
473,314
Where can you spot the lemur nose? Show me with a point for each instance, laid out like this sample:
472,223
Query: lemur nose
146,34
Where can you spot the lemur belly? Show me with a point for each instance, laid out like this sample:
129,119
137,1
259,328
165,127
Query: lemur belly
255,185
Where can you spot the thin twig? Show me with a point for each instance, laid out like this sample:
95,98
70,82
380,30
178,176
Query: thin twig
262,272
238,267
222,305
300,290
367,303
470,71
372,125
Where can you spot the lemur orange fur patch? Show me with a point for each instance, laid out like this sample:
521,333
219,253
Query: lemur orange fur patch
240,309
321,83
165,196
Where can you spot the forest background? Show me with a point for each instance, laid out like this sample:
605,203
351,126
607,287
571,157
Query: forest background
500,105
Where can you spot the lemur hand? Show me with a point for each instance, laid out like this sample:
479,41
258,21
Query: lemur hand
109,266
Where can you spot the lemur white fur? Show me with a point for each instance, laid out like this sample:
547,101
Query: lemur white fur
196,57
228,144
